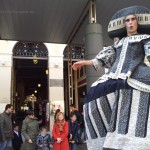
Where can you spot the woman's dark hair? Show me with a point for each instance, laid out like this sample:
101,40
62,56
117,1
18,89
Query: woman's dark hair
73,114
8,106
57,111
29,112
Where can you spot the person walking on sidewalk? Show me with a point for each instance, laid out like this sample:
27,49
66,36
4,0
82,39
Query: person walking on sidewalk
6,133
73,131
17,139
79,120
30,129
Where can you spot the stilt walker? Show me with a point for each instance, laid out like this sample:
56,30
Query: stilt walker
116,109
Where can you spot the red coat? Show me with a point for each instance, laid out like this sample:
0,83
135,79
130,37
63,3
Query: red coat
64,145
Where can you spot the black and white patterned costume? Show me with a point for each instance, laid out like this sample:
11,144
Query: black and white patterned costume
117,105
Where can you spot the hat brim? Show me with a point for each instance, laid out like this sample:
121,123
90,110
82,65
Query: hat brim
116,27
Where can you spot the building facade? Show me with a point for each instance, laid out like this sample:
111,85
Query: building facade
11,88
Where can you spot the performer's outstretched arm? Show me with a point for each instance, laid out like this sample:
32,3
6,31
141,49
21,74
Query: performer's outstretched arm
105,58
79,64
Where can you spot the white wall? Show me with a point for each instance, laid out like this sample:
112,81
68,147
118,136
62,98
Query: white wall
5,72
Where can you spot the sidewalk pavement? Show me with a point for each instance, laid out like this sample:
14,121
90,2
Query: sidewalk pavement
81,147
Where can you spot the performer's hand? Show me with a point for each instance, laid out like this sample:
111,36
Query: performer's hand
77,65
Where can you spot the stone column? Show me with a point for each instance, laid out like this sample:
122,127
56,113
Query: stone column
93,44
55,76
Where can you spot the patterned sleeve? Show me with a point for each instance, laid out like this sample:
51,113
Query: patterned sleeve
105,58
147,49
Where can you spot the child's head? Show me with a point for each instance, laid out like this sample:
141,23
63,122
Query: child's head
30,114
73,117
43,130
16,127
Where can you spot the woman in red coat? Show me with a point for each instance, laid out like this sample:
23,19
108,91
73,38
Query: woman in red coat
60,133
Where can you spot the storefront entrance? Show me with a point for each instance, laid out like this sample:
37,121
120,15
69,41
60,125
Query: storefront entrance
30,79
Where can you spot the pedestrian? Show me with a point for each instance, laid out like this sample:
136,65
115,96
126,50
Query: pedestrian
82,127
79,120
73,131
17,138
43,141
30,129
60,133
116,109
6,133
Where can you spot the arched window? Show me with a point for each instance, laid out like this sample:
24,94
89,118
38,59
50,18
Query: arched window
30,49
78,52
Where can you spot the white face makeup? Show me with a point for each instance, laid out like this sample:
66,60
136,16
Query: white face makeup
131,24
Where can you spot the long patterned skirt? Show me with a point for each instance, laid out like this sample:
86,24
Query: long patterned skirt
117,117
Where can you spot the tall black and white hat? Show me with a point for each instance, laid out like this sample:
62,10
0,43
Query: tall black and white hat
116,27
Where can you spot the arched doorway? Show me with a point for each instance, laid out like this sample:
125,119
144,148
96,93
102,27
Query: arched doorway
75,93
30,77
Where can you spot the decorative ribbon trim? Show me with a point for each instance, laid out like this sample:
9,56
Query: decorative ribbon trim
138,85
132,39
112,75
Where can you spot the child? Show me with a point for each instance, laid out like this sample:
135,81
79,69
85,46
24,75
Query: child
73,131
60,133
43,141
17,140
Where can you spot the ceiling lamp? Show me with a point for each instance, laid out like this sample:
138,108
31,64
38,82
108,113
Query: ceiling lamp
39,85
35,91
35,61
46,71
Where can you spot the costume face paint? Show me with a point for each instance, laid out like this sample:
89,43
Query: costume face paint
131,24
